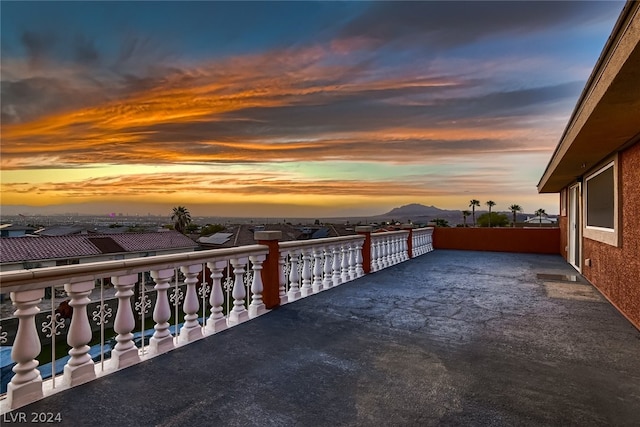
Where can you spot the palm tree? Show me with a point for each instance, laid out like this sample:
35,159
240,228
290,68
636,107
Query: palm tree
181,218
465,214
539,214
514,209
472,204
490,203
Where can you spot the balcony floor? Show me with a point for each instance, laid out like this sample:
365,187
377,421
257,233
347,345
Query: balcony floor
449,338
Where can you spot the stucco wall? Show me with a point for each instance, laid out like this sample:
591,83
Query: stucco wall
523,240
615,271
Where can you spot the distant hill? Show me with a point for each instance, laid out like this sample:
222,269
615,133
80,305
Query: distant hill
418,213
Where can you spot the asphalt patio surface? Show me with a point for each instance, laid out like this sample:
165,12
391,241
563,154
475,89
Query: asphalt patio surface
449,338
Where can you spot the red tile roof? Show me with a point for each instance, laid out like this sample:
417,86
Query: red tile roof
17,249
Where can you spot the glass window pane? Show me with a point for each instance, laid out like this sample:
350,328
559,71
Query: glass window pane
600,199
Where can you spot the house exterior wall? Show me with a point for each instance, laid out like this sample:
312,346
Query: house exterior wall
615,271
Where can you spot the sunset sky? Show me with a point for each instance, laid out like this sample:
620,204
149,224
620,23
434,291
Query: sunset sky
288,109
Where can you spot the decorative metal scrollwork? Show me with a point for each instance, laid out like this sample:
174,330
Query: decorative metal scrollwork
176,297
53,325
3,336
101,314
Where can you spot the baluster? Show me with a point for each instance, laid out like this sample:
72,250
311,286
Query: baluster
26,384
216,321
395,250
239,313
162,340
306,289
191,329
344,264
317,269
257,307
328,270
392,250
352,261
282,278
294,287
405,249
359,260
383,253
80,367
125,352
374,255
336,265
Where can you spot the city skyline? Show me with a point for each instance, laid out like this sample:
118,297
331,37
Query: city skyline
289,109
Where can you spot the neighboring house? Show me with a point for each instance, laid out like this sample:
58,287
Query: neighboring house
242,234
48,251
596,170
10,230
538,220
62,230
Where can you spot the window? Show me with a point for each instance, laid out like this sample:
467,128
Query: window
601,204
600,199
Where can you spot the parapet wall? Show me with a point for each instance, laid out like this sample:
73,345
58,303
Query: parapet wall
521,240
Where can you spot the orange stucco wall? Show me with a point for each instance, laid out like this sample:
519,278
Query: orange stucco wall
615,271
562,223
523,240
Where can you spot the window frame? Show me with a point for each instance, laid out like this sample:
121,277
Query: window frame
606,235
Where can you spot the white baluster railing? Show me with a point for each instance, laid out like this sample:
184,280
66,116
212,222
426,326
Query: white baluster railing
236,276
388,248
325,263
422,241
27,288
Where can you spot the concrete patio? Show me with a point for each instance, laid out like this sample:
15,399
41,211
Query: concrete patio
448,338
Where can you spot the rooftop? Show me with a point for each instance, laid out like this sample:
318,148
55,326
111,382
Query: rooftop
448,338
18,249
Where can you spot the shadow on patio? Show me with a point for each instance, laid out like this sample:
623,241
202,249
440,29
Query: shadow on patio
449,338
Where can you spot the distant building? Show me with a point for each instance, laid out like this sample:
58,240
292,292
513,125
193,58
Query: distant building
10,230
596,170
242,234
538,220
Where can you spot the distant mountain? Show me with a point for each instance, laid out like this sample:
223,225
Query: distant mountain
416,209
418,213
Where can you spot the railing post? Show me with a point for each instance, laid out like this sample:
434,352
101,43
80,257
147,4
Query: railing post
125,352
80,368
327,281
337,262
162,340
238,313
409,228
26,384
216,321
257,307
191,329
365,230
318,253
271,267
306,288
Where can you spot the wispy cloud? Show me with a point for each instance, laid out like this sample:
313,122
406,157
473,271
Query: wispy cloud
413,83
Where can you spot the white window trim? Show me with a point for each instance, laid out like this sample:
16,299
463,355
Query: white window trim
609,236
